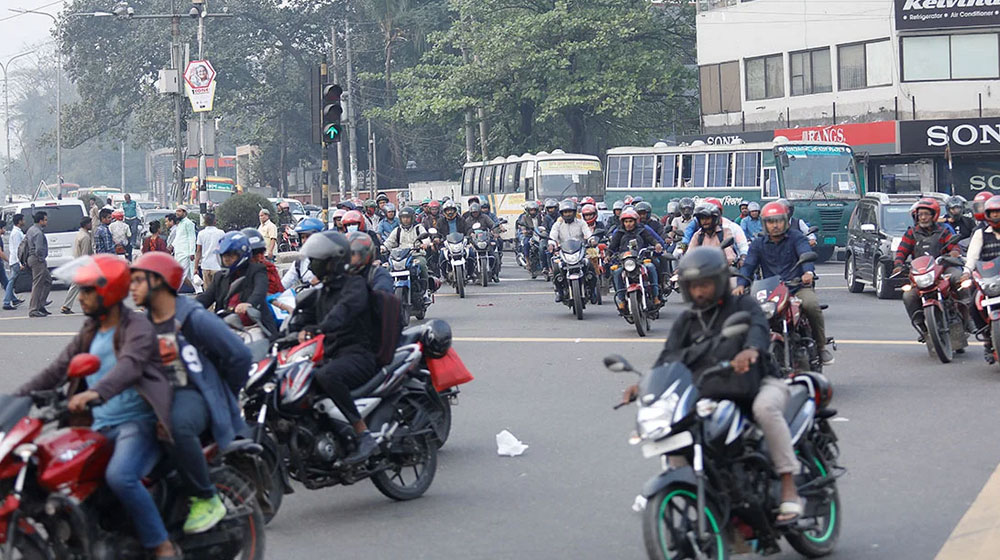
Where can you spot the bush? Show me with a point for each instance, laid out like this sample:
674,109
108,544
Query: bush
241,211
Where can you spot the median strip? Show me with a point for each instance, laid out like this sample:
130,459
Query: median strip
977,535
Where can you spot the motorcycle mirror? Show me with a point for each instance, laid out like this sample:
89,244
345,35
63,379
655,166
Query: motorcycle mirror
813,230
83,365
808,257
617,363
727,243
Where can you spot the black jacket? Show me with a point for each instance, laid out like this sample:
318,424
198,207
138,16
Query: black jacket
341,311
964,226
620,239
443,228
252,290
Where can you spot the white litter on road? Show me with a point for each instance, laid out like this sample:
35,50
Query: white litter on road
509,445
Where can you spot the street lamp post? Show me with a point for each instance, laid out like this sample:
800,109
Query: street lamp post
6,112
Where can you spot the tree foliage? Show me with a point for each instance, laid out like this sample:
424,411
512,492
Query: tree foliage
241,211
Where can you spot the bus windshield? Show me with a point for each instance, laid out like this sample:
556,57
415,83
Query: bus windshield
566,178
219,196
818,172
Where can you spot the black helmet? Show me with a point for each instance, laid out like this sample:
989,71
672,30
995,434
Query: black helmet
329,254
475,208
436,338
255,238
955,202
406,211
701,263
551,203
644,207
381,197
708,210
567,206
687,203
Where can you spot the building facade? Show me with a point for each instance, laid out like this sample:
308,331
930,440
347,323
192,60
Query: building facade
913,85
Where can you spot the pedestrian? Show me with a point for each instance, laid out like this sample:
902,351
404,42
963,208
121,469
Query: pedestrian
3,256
95,215
154,242
269,232
82,245
131,210
120,235
103,240
184,243
207,250
16,238
170,222
41,279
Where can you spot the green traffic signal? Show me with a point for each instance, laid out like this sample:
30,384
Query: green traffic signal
332,133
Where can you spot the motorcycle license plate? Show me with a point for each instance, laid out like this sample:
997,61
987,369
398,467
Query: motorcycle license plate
991,301
458,263
398,273
666,445
575,276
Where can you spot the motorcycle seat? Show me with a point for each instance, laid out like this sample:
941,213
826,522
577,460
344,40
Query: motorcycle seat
371,385
799,395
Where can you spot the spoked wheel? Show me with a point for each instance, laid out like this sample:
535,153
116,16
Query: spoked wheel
404,298
574,288
460,281
638,314
484,275
995,336
822,512
938,333
412,459
244,515
670,527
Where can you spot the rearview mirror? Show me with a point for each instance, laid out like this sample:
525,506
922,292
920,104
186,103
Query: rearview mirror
808,257
727,243
736,325
617,363
814,229
870,228
83,365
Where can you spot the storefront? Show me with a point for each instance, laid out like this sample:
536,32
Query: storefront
958,156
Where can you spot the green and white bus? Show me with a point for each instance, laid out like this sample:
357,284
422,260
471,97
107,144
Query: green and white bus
820,178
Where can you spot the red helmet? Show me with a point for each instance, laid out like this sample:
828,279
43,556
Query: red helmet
587,200
118,215
774,211
993,204
354,217
715,201
627,200
926,204
162,264
628,214
434,204
107,274
339,213
978,203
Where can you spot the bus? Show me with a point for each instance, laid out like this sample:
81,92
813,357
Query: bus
509,182
219,190
819,178
102,193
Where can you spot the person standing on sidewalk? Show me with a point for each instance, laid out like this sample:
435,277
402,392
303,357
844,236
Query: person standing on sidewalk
3,256
41,279
82,245
103,240
132,218
206,257
270,233
16,238
184,243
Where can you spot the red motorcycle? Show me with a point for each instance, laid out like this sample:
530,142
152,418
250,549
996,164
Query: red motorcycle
987,280
635,301
57,505
942,317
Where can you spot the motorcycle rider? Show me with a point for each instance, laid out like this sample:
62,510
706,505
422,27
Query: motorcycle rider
927,237
568,227
235,254
978,204
406,235
703,275
551,215
389,221
710,229
962,224
450,221
337,220
213,372
681,223
381,200
741,245
430,217
299,275
589,214
475,216
629,230
341,311
798,223
526,224
744,212
363,263
614,220
776,254
751,224
356,221
671,213
131,386
257,250
984,246
372,217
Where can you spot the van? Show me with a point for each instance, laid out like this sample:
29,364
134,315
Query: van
64,221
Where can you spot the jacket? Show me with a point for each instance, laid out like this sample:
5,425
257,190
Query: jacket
621,238
38,245
386,226
937,240
428,220
562,232
715,239
484,221
138,365
252,290
444,229
777,259
752,227
339,309
404,237
964,226
524,221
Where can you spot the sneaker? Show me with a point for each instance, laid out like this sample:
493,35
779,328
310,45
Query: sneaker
9,308
366,447
37,315
66,311
204,514
827,356
17,301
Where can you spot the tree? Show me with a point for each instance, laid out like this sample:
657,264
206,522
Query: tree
241,211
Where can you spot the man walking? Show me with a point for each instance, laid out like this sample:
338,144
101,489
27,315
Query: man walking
132,218
207,250
103,240
82,245
16,238
41,280
269,232
184,243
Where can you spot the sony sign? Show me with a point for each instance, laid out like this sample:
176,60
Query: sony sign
962,135
945,14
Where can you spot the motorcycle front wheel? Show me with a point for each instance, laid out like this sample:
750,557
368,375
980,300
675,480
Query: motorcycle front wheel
24,545
484,272
404,298
638,315
938,333
412,459
574,288
460,281
821,539
670,527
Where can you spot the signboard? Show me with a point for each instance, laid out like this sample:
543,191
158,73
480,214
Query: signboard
876,138
725,138
962,135
199,83
946,14
970,177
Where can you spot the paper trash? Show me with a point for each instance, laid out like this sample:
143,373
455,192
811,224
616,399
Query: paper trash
509,445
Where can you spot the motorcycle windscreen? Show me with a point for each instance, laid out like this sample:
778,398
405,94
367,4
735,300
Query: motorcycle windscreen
989,269
572,246
661,378
455,237
448,371
761,289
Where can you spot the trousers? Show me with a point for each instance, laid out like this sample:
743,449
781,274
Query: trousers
769,413
8,296
41,283
810,308
349,369
136,453
188,420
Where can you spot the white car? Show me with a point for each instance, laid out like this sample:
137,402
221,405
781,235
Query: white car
296,207
64,221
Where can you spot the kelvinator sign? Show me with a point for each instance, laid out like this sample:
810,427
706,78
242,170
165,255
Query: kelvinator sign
942,14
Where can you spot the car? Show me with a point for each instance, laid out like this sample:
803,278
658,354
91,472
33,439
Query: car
64,221
873,234
312,210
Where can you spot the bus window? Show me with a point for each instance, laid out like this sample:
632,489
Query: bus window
509,182
718,170
514,179
747,172
497,184
668,171
477,180
618,172
467,175
770,185
698,165
643,169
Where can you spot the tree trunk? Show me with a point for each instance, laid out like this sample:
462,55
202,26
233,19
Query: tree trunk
576,122
282,172
397,178
527,113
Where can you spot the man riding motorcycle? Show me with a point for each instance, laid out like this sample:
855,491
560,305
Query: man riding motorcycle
589,214
389,221
406,235
928,237
710,230
568,227
526,224
450,221
355,221
978,204
776,254
363,263
741,246
614,220
298,275
984,246
680,223
431,216
551,215
631,230
798,223
474,216
752,224
234,252
962,224
207,364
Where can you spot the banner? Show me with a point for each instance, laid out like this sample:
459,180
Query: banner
946,14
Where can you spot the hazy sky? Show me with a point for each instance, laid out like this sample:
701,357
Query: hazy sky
20,32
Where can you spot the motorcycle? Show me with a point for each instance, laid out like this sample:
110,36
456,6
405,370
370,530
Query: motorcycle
255,336
639,308
456,248
596,247
58,506
579,278
288,240
402,267
532,264
717,490
941,316
484,247
986,278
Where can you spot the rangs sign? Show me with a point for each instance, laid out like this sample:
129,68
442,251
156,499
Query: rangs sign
876,138
961,135
946,14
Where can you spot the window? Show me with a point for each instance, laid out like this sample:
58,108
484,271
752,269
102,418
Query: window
864,65
476,181
810,71
765,77
668,171
770,186
467,176
698,162
618,172
951,57
720,88
495,184
747,172
643,171
718,170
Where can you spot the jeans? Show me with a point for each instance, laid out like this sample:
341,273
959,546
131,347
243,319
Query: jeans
619,281
188,420
136,453
8,297
348,370
134,234
769,413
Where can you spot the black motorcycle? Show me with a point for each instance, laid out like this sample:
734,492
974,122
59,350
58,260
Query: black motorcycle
484,252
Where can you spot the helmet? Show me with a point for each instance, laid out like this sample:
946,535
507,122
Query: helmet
671,208
928,204
775,211
708,210
567,206
618,205
955,202
236,242
475,208
346,205
164,266
602,205
977,205
255,239
354,218
107,274
686,203
118,215
381,197
703,263
628,200
629,214
361,244
753,207
485,206
329,254
637,199
436,338
744,203
991,205
789,205
588,212
371,204
587,200
434,204
309,226
473,200
714,201
425,201
339,213
530,205
551,203
407,211
282,206
644,207
389,207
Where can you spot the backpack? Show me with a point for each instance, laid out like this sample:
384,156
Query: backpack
22,252
385,309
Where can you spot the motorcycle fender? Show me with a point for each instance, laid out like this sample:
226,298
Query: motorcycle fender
683,475
633,288
933,302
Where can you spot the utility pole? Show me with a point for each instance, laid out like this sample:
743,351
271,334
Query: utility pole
202,171
372,161
123,165
176,62
338,146
351,113
6,109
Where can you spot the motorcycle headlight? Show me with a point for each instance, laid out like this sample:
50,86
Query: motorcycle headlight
572,258
924,280
455,247
630,265
654,421
768,307
399,265
480,244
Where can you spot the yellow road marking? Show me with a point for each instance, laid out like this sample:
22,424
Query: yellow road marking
977,535
30,334
657,340
475,294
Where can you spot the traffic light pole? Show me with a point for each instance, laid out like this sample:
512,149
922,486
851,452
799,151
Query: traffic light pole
341,181
325,175
202,169
352,125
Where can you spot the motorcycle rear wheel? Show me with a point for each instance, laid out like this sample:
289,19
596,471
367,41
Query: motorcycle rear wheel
460,281
236,492
574,288
940,342
412,453
670,523
820,541
638,315
995,336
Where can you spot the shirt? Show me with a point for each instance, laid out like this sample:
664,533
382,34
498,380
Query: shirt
185,239
82,244
120,232
103,242
131,209
38,243
173,367
16,236
127,406
208,240
269,231
777,259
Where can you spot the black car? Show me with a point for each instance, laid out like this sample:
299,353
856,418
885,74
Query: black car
873,234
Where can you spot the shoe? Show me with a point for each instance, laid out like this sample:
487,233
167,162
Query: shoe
366,447
427,300
37,315
827,356
204,514
9,308
657,302
46,311
66,311
559,297
988,356
17,301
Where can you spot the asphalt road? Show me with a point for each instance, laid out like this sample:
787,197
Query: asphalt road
918,437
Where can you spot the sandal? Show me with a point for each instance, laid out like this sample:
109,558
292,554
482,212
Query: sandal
789,512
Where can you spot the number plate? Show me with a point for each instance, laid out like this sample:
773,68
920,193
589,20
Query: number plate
576,276
666,445
991,301
458,263
399,273
55,253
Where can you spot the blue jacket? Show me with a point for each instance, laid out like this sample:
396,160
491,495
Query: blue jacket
219,377
386,226
777,259
751,227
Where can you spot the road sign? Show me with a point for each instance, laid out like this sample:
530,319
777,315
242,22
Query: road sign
199,83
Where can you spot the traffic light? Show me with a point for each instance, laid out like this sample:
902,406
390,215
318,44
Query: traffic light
332,111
